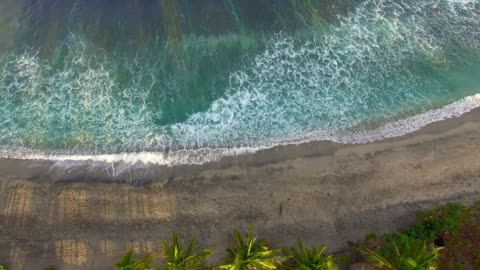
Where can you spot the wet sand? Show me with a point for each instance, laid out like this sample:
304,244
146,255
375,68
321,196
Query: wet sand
80,217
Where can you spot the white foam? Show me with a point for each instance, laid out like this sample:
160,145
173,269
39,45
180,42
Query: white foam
368,67
305,87
206,155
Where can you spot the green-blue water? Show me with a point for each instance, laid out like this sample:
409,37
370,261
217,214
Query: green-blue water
103,77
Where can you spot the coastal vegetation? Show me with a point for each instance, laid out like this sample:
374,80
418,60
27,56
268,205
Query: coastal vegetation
250,253
301,258
445,238
401,252
182,256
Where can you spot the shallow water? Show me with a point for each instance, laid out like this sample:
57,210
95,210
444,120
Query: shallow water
100,77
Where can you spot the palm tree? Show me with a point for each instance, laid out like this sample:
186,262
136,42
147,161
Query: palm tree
302,258
403,253
183,256
250,254
127,262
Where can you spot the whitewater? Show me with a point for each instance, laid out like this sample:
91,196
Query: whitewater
385,69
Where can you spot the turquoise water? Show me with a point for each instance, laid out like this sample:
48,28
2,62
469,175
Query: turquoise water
103,77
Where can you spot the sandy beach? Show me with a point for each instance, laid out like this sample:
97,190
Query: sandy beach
79,217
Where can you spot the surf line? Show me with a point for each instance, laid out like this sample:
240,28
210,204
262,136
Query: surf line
206,155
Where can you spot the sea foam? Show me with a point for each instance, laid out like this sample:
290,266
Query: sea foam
386,60
205,155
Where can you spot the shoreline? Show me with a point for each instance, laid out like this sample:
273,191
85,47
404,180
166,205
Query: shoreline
207,155
78,217
139,173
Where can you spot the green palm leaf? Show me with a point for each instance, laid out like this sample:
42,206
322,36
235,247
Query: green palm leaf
181,255
376,259
401,252
250,253
303,258
127,262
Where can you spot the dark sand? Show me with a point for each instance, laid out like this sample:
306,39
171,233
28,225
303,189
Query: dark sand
79,218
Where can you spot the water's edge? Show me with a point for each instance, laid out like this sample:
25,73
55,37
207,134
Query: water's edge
207,155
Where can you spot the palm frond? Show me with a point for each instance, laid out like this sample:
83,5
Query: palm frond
313,258
402,252
181,255
376,259
250,253
127,262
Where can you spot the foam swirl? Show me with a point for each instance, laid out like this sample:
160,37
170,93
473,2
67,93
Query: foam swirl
205,155
387,68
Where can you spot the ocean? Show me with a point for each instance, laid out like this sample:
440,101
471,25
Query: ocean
190,81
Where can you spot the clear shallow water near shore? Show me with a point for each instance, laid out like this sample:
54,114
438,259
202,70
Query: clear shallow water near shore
203,79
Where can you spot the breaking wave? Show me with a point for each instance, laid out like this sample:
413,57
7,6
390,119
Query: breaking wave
205,155
387,69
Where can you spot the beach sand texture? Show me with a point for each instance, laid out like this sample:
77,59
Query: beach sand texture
322,192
